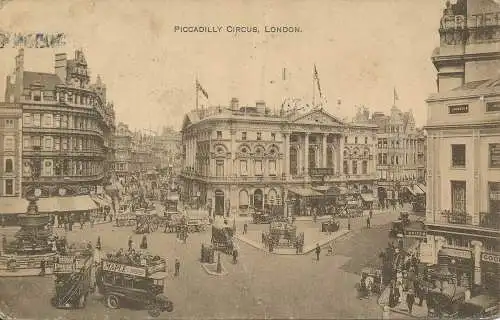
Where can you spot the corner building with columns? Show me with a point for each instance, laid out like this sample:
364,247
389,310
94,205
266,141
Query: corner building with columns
237,158
463,144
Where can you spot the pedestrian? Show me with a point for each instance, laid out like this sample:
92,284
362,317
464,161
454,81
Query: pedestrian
330,249
92,222
349,223
410,299
318,251
42,268
368,222
144,243
98,244
177,267
420,293
130,242
235,256
371,213
245,228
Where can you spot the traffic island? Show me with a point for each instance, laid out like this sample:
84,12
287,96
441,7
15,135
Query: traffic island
211,269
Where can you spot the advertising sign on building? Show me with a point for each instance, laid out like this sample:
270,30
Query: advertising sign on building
419,234
452,252
426,253
488,257
122,268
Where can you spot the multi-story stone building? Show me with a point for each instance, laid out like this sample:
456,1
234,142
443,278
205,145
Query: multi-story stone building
10,150
123,153
236,158
166,150
67,127
11,203
400,148
142,152
463,127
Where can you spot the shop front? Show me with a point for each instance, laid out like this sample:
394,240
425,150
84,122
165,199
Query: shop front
304,201
459,263
490,273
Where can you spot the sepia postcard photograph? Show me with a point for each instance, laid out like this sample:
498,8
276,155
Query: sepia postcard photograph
238,159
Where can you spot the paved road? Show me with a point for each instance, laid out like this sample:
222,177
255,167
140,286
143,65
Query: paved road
260,286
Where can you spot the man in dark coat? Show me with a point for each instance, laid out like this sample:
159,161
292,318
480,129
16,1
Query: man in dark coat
318,251
410,300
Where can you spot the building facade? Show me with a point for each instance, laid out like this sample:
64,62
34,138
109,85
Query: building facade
67,127
123,150
10,150
237,158
463,127
167,150
142,152
400,154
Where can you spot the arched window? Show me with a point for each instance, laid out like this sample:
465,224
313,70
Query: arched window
244,200
8,166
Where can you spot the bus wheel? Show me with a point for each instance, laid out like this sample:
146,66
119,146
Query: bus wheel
113,302
154,311
169,306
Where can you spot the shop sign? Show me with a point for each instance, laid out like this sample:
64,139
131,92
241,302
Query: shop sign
463,108
452,252
488,257
416,234
426,253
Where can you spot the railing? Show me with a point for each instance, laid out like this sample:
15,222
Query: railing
488,220
64,179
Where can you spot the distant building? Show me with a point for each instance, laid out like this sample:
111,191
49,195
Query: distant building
400,154
10,150
68,127
123,150
167,150
463,127
240,158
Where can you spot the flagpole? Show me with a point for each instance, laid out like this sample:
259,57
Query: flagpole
394,96
314,88
196,85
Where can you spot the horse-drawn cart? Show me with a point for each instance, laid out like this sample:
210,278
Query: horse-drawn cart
147,222
222,238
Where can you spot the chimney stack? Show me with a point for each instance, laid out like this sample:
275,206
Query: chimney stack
61,63
260,105
234,104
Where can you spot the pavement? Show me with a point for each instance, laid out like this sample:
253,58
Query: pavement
402,307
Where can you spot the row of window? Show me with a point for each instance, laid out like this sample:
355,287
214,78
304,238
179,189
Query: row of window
69,97
59,120
493,106
382,159
356,140
9,143
244,135
354,167
56,143
405,143
8,123
62,167
458,155
244,167
8,165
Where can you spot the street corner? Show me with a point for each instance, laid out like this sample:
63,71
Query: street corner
211,269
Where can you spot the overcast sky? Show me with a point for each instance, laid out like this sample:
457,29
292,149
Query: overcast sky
362,49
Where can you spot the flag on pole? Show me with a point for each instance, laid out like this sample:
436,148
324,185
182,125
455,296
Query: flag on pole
200,88
284,74
395,95
316,77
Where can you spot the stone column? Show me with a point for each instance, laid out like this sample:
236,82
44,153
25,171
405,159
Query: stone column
286,160
477,261
232,149
284,197
340,157
306,153
323,150
476,203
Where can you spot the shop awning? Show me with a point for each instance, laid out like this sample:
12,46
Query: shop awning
410,190
66,204
13,205
422,187
101,201
328,190
367,197
305,192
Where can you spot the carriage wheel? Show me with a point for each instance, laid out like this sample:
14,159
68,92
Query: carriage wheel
113,302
